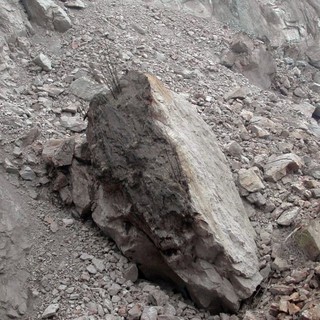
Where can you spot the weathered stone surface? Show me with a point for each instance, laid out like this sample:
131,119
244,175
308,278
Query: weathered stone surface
237,93
287,217
149,313
75,4
50,311
43,61
85,88
278,167
58,152
308,239
250,180
75,123
166,195
47,14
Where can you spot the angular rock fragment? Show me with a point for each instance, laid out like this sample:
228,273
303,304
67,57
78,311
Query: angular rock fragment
166,195
278,167
85,88
43,62
250,180
58,152
50,311
287,217
47,14
308,239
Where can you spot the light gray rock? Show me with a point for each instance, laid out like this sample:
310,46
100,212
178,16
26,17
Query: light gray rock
73,123
288,216
149,313
75,4
237,93
250,179
50,311
43,61
26,173
278,167
201,240
47,14
85,88
10,167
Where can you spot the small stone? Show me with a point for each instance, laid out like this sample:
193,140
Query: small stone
135,312
114,289
131,273
43,61
10,167
27,173
283,305
75,4
280,264
308,239
149,313
292,308
288,216
249,179
86,256
280,289
51,311
237,93
91,269
99,264
234,149
68,222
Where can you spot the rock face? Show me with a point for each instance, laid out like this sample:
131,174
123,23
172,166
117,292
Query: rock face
166,195
47,14
279,21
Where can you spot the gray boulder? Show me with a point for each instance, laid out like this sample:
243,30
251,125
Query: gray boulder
166,195
47,14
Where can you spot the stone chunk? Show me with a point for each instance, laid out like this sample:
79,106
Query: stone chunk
149,313
287,217
43,62
75,4
47,14
50,311
237,93
26,173
308,239
58,152
85,89
131,273
166,194
250,180
278,167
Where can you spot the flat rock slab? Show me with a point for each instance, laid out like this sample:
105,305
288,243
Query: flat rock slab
166,194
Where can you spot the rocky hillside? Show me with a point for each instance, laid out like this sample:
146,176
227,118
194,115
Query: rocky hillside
55,56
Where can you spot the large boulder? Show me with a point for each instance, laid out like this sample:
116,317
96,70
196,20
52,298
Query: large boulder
47,14
166,195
